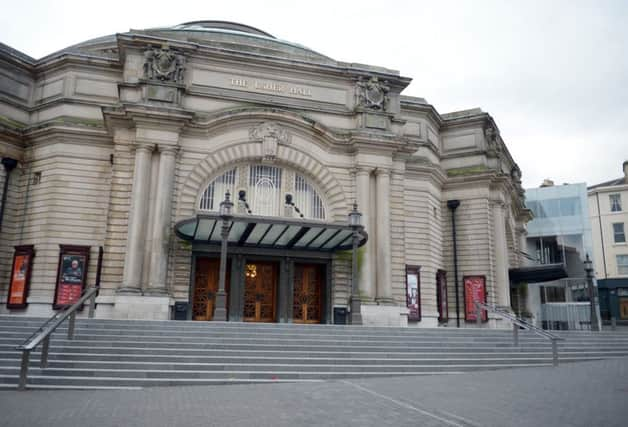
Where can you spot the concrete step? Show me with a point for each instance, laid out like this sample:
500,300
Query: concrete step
116,353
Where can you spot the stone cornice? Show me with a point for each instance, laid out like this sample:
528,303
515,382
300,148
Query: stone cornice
427,109
197,50
424,168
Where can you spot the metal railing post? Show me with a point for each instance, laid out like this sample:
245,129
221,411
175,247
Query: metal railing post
71,325
478,314
613,323
554,352
24,370
515,334
44,352
92,306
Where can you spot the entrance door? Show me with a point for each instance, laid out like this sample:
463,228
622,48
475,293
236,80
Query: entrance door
260,284
306,302
205,288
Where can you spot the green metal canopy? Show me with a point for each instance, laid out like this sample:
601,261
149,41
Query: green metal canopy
271,233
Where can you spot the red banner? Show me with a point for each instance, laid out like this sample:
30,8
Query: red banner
474,290
20,276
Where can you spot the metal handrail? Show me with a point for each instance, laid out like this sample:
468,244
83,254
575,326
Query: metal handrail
516,324
45,331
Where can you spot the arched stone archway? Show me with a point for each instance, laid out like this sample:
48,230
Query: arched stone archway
249,152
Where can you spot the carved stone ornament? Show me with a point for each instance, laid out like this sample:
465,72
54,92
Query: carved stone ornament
373,94
164,65
271,135
491,137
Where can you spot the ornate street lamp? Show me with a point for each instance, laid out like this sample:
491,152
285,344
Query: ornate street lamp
593,297
226,214
355,221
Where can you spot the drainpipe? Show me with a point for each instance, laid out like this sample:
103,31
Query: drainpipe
453,205
9,164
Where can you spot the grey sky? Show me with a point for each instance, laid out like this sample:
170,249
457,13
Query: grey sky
553,74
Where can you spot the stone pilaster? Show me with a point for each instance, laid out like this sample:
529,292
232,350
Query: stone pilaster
384,272
363,190
500,251
161,221
133,259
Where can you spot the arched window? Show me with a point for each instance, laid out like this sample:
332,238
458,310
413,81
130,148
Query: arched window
307,199
266,188
215,191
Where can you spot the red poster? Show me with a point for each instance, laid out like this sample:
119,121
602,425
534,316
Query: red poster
20,277
73,261
474,290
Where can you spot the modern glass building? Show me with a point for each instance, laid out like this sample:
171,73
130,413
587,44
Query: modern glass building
559,235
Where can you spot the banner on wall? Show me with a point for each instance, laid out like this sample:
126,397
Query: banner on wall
71,275
474,290
20,276
413,293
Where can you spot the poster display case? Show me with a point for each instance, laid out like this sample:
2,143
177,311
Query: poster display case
474,290
71,275
20,276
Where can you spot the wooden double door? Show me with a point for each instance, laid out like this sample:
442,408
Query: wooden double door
205,287
259,292
260,286
307,295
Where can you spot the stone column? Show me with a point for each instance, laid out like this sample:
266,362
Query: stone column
161,222
502,284
384,273
133,259
363,190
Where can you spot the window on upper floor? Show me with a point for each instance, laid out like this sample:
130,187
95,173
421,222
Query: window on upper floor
618,232
615,200
266,188
622,264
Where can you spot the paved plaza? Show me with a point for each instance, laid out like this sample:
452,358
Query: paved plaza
580,394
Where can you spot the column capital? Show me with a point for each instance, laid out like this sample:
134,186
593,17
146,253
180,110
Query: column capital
363,170
382,171
168,149
144,147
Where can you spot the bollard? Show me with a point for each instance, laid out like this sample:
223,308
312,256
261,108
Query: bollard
71,325
92,306
44,352
613,323
478,314
554,352
24,370
515,334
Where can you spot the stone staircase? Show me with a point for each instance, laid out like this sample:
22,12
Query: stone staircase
116,353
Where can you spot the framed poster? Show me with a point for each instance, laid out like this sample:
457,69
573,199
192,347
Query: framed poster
474,290
413,292
441,296
20,276
71,275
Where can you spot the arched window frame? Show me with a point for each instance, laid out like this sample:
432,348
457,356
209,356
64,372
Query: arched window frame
288,180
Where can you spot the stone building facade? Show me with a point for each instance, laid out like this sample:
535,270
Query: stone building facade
608,210
120,140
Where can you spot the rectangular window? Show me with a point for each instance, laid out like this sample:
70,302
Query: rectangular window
622,264
618,232
615,200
